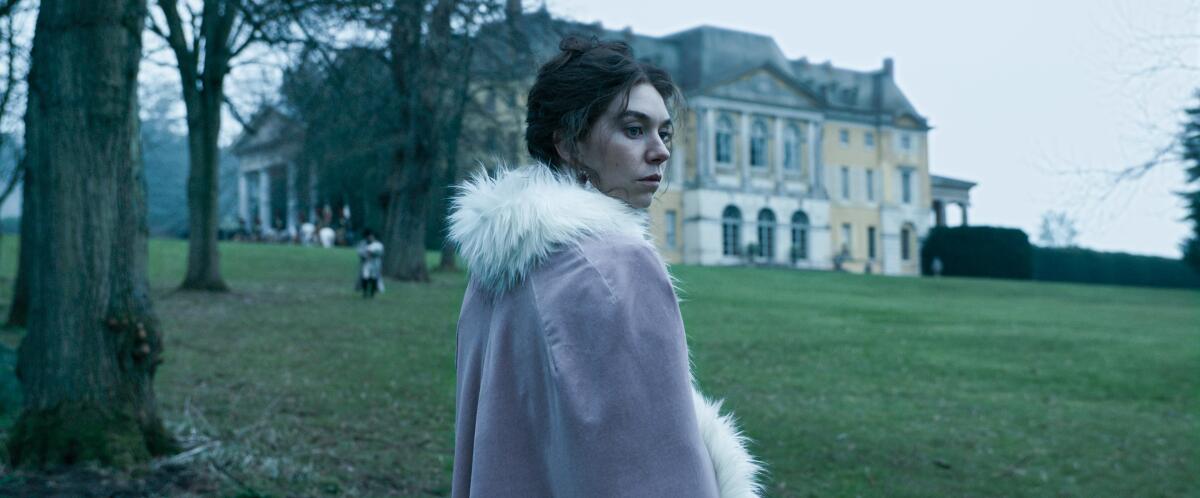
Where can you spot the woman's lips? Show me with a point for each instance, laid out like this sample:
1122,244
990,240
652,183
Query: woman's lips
651,179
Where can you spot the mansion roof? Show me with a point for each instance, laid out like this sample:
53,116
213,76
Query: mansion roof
705,57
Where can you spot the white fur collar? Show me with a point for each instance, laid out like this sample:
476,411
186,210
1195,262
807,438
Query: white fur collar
507,223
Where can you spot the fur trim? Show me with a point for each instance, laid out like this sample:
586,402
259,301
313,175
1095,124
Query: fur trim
737,471
506,224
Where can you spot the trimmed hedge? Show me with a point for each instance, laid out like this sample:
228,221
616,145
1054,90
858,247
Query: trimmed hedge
978,251
1112,268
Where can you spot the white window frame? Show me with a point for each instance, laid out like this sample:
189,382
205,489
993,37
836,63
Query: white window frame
906,186
724,130
792,147
759,142
845,183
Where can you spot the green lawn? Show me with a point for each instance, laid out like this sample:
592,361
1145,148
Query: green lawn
850,385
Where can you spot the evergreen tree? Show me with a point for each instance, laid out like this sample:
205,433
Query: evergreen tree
1190,141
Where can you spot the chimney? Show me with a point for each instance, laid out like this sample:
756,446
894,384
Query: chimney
888,66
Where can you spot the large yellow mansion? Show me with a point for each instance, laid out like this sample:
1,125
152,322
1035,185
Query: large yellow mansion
788,162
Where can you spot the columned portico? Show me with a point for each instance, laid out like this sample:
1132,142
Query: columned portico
948,191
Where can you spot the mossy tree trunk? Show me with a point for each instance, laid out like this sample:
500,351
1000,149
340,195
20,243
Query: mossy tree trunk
18,311
87,361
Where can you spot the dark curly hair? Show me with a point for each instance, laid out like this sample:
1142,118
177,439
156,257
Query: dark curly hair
574,88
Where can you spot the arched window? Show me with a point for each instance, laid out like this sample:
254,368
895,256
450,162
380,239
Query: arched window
791,147
758,144
766,234
724,140
731,229
799,236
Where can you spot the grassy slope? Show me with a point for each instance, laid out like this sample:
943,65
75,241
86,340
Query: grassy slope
851,385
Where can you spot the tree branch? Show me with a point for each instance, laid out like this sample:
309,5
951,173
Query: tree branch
237,116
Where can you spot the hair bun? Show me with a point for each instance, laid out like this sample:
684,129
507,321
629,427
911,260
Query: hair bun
576,45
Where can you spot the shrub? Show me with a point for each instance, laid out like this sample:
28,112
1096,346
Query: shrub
979,252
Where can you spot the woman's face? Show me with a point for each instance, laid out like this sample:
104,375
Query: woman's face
627,148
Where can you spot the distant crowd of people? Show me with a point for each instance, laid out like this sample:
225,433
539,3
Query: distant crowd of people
369,248
309,234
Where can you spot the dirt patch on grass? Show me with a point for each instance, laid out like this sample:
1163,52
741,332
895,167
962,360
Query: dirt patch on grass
166,480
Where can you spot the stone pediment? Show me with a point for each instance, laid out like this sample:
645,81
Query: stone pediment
764,86
909,121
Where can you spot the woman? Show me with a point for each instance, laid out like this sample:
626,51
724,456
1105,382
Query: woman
573,374
370,264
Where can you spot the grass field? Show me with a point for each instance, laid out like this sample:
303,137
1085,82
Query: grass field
850,385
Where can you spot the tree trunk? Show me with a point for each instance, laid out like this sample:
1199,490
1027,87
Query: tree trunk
204,127
18,311
408,207
87,361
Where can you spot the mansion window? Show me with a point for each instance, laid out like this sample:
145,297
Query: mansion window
906,186
799,235
871,242
905,141
870,185
766,234
844,136
869,139
791,148
905,244
724,140
758,144
731,227
845,183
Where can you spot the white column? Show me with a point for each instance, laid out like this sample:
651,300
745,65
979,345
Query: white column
243,200
811,137
292,214
264,199
708,150
777,151
743,156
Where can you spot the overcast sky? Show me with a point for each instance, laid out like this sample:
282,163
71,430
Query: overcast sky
1036,101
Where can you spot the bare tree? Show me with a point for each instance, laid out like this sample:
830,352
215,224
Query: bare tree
205,39
1057,230
14,51
87,362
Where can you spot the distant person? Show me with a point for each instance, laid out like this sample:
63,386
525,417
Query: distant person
936,266
370,271
841,258
327,235
308,233
573,371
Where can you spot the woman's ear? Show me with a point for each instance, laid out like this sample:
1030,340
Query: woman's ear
562,148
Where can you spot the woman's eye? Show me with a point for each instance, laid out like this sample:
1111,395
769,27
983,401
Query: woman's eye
665,136
633,131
